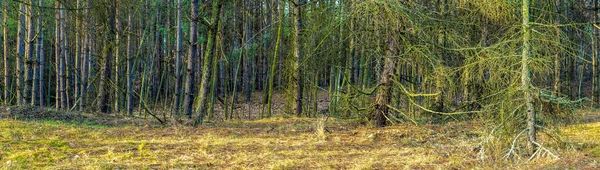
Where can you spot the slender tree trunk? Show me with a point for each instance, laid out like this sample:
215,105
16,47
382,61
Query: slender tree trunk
77,66
29,53
21,53
5,50
129,62
208,59
382,99
116,96
525,76
178,55
105,87
37,87
297,48
189,84
62,60
57,53
84,63
273,65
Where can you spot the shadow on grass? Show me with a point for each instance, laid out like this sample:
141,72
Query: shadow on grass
53,116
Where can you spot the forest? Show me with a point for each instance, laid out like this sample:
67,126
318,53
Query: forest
300,84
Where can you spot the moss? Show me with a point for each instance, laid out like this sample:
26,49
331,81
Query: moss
595,152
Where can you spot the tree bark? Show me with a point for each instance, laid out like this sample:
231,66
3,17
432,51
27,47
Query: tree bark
105,78
525,76
178,55
297,47
62,60
21,53
37,87
129,63
29,51
382,99
5,50
208,59
57,52
189,84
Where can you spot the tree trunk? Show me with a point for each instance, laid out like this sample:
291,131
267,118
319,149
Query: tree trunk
84,64
5,50
273,65
297,76
525,76
37,87
57,52
178,55
21,53
189,84
29,50
382,99
208,59
62,60
105,78
129,62
116,83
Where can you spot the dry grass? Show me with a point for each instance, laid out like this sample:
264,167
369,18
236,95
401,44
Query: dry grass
277,143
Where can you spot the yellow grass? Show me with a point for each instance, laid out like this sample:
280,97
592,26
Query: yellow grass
266,144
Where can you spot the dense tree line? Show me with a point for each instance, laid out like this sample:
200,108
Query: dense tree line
522,65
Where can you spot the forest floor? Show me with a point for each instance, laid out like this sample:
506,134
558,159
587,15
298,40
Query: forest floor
45,139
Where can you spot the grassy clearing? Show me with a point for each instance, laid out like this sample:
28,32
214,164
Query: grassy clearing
275,143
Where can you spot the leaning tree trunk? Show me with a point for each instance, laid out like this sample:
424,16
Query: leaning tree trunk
208,59
382,99
525,76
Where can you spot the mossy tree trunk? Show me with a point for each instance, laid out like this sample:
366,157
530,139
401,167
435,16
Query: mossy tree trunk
525,75
105,88
297,48
208,59
383,97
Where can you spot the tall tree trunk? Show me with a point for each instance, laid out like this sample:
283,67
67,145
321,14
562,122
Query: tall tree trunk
116,96
84,63
37,87
525,76
208,59
297,47
29,50
178,55
77,66
62,60
5,50
105,77
129,62
274,64
21,53
382,99
57,52
189,84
